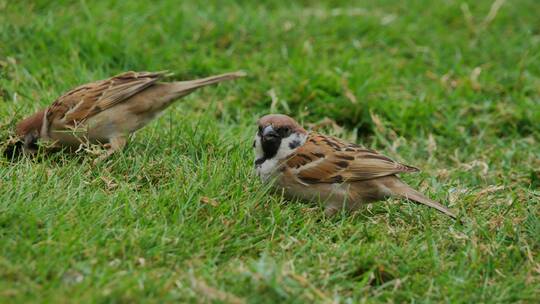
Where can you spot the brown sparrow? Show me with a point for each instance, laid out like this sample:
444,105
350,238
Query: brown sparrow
107,111
311,166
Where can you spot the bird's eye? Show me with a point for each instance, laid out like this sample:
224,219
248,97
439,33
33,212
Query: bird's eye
284,132
260,130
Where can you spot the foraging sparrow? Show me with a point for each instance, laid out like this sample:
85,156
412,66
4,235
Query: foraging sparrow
107,111
311,166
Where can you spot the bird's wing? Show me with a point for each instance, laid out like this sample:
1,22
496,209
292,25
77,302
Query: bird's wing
325,159
87,100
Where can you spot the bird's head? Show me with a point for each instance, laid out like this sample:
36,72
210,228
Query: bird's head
277,137
29,129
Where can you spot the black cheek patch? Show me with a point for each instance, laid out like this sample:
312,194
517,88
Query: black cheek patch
294,144
253,144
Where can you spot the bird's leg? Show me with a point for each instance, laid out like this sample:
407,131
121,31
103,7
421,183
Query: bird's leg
336,205
115,144
333,207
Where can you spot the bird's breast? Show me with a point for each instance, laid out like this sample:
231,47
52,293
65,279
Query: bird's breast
266,168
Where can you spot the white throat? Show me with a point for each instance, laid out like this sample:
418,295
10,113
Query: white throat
288,145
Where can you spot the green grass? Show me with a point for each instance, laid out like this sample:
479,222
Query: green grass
448,87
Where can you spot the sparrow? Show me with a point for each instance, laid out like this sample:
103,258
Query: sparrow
107,111
311,166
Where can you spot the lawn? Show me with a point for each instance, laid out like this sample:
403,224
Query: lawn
452,87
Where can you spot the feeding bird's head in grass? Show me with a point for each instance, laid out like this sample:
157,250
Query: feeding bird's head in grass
108,111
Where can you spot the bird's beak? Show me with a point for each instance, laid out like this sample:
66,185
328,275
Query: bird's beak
268,133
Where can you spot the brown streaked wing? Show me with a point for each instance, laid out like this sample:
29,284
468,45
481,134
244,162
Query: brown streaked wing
325,159
89,99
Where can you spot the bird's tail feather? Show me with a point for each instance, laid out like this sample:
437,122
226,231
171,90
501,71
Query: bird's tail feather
183,88
406,191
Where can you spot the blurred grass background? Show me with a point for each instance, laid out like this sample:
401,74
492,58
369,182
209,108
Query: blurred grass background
452,87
